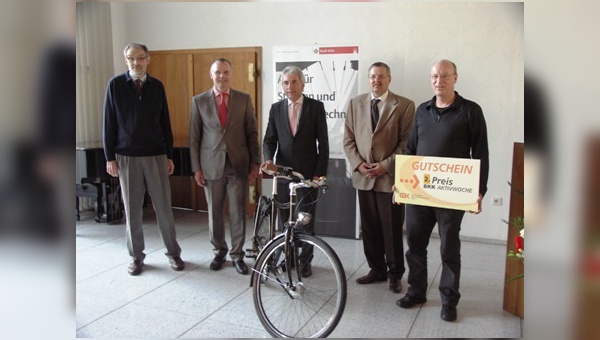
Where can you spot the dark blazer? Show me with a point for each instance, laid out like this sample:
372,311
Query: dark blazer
308,151
209,142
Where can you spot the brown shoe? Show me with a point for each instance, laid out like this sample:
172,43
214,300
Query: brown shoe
371,277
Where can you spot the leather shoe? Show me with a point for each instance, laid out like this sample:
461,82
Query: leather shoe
135,267
177,263
240,267
306,270
395,285
371,277
217,263
409,301
448,313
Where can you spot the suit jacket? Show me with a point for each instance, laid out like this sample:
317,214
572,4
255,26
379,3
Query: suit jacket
390,137
210,143
308,151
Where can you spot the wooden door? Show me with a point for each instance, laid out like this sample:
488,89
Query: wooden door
185,73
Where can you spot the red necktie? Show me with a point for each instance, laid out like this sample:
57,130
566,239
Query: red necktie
223,109
293,118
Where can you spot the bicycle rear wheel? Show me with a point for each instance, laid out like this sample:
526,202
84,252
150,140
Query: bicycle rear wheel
262,219
307,307
261,232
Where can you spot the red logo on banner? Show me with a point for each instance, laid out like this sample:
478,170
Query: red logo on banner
338,50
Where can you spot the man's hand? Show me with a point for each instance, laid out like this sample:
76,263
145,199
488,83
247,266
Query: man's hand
264,165
199,178
112,168
170,166
479,199
371,170
253,172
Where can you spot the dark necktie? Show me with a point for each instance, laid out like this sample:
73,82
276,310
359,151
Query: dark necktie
138,87
223,109
374,112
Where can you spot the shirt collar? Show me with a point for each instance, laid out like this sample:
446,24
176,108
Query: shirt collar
457,102
134,78
299,101
383,96
216,92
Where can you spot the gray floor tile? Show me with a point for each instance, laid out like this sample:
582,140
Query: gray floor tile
200,303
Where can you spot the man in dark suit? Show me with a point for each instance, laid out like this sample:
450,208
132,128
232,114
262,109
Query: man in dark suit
377,128
224,155
296,137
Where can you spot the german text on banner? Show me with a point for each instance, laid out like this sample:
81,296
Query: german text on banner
441,182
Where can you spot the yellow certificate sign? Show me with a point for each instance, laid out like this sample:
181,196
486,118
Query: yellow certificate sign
441,182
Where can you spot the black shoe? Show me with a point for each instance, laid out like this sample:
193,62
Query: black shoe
177,263
135,267
306,270
217,263
410,301
395,285
448,313
240,267
371,277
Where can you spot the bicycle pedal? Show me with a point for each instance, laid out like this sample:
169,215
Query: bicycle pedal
251,253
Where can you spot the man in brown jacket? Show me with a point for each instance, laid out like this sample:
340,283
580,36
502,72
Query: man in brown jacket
377,128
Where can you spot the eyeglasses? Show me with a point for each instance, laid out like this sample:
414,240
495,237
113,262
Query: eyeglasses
138,59
435,77
377,77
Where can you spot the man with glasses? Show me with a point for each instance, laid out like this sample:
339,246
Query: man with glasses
376,130
138,145
446,126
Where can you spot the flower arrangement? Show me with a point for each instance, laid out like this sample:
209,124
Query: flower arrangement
519,251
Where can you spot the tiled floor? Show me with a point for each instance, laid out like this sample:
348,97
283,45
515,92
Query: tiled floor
200,303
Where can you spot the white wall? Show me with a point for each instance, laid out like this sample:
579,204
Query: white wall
485,40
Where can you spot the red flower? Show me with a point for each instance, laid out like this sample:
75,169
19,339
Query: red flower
519,244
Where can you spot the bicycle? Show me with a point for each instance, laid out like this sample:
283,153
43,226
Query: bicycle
288,304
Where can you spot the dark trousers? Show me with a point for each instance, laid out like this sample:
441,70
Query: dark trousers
420,221
306,199
381,223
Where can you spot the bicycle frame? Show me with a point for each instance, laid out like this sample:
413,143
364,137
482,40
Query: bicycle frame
278,173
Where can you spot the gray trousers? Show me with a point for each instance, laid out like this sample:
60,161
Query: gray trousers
136,176
237,191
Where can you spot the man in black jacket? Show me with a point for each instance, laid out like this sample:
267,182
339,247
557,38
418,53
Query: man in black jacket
446,126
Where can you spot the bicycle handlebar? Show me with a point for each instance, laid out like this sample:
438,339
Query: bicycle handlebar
286,172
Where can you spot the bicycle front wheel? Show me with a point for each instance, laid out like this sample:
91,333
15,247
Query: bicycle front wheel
306,307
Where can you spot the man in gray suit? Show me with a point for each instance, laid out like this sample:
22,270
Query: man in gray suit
377,128
297,137
224,155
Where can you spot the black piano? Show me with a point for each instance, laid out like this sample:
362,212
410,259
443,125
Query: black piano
92,181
